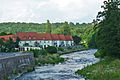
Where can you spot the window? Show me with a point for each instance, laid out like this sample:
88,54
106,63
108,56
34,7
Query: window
24,38
13,38
29,37
34,37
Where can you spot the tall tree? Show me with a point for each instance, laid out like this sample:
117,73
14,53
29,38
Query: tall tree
65,28
17,42
108,37
48,27
9,44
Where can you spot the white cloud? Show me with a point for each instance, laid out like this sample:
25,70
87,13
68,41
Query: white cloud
54,10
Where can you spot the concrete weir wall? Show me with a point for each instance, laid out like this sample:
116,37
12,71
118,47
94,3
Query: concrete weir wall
15,64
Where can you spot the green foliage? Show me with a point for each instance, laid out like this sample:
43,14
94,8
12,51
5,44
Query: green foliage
76,39
36,53
108,37
108,69
60,49
36,61
69,48
99,54
17,42
30,69
51,59
92,41
64,29
43,52
9,45
48,27
3,34
51,49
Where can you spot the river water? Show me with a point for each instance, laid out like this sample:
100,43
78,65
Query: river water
65,70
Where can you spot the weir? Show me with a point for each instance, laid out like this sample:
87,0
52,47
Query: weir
11,63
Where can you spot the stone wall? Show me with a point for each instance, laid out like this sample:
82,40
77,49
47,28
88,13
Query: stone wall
15,64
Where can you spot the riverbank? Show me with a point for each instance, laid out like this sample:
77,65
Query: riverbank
54,58
108,69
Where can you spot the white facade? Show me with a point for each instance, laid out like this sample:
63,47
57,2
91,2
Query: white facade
38,44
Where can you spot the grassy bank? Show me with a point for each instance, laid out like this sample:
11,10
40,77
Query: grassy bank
108,69
71,51
49,59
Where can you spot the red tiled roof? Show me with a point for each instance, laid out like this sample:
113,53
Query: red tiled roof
27,35
67,38
55,37
6,37
71,38
44,36
38,36
62,37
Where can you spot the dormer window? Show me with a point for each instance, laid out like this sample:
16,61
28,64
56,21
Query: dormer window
34,37
13,38
24,38
29,37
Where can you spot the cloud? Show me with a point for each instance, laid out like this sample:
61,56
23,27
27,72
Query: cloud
55,10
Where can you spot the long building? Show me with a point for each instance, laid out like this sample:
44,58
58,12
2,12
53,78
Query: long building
33,40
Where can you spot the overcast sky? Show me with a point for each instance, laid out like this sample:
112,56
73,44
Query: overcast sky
38,11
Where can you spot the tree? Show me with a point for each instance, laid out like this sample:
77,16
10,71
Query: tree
108,36
65,29
17,42
3,33
2,44
48,27
9,45
76,39
51,49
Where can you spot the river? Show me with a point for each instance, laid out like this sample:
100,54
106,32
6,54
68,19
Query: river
65,70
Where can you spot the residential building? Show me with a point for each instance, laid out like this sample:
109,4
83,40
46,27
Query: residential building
33,40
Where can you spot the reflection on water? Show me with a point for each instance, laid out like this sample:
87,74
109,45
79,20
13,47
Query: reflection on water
65,70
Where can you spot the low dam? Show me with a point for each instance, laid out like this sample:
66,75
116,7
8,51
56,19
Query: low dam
11,63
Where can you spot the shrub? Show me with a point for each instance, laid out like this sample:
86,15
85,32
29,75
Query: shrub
69,48
51,49
60,49
43,52
36,61
99,54
36,53
30,69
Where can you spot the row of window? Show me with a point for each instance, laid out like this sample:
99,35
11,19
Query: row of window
29,38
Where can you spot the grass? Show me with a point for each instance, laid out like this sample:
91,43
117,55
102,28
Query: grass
30,69
49,59
71,51
109,69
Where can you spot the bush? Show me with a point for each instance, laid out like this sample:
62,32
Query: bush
30,69
99,54
60,49
51,49
36,53
69,48
43,52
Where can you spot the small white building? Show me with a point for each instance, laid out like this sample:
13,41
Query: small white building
33,40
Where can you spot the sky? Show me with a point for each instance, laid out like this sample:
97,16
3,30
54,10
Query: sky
39,11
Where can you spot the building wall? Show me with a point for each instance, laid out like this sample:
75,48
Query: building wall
44,43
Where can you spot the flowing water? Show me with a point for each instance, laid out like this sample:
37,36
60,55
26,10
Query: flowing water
65,70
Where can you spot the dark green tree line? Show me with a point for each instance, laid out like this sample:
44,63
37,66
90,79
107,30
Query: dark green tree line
108,36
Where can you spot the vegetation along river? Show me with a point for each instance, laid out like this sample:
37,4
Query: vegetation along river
65,70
